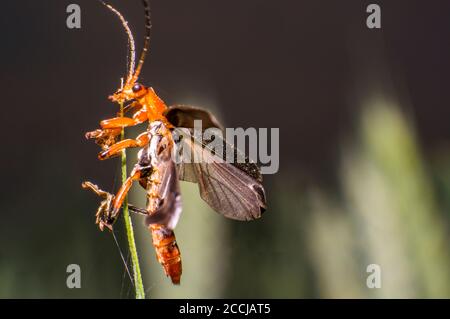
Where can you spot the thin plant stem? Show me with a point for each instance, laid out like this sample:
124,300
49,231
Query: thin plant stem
138,285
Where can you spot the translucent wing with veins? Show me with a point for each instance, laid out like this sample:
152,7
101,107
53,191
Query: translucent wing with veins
232,189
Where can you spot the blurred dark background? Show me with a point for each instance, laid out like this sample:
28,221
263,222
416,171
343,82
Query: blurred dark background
364,145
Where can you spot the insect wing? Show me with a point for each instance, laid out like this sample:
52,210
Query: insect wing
229,189
169,207
185,115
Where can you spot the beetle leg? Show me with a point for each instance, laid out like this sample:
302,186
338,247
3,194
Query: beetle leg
95,189
102,213
116,148
104,138
137,210
119,122
123,191
102,218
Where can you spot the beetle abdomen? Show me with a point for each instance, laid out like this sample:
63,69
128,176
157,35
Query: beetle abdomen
167,251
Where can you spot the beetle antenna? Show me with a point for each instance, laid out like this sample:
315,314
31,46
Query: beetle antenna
148,26
130,39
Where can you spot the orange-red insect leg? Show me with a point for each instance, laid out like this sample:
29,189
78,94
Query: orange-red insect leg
118,122
115,149
123,191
